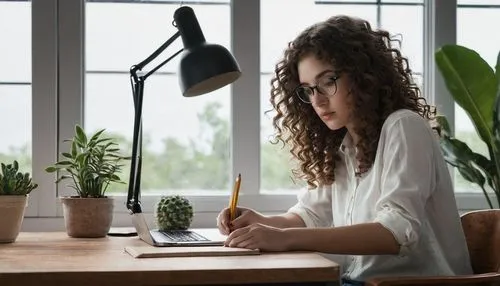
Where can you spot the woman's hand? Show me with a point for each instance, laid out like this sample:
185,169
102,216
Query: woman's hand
244,217
258,236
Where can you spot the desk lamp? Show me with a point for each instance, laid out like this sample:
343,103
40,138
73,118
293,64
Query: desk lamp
203,68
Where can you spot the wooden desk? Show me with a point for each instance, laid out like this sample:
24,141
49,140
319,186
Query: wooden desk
53,258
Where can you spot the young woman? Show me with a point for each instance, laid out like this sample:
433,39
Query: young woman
379,189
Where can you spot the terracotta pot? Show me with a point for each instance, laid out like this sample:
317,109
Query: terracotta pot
87,217
11,218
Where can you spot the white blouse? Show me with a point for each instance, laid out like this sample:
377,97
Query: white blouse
408,190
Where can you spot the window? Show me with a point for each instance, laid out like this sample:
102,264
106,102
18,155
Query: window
80,74
474,16
403,19
15,83
186,140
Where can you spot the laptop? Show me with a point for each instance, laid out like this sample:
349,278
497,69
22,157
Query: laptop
190,237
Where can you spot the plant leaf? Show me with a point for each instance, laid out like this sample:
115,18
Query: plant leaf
63,163
80,136
67,155
50,169
484,163
459,155
96,135
443,125
496,107
456,150
497,72
471,174
472,88
74,150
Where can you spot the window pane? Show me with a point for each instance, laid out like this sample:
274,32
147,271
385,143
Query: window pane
330,2
15,50
276,175
407,24
277,29
478,2
404,2
411,2
472,20
469,22
15,83
186,140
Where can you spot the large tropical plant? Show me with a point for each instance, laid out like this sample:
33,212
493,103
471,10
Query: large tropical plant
92,163
474,86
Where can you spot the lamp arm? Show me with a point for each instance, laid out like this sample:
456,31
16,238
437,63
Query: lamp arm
133,203
162,64
137,82
156,53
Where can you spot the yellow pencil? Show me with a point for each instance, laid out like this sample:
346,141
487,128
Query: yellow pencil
233,202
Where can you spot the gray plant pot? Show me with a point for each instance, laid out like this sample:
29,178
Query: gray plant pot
87,217
11,217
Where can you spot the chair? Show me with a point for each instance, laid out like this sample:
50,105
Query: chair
482,232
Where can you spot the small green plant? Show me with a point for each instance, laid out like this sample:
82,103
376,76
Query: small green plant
174,213
13,182
92,164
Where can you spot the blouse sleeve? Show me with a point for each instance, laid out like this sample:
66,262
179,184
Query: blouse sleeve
314,207
407,179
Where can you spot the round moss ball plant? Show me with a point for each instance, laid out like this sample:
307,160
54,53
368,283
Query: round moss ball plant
174,213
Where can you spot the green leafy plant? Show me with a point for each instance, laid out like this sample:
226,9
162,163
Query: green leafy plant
475,87
174,213
92,163
13,182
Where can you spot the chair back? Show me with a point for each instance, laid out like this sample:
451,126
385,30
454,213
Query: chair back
482,232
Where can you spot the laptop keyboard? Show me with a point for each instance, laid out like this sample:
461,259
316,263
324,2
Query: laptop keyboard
183,236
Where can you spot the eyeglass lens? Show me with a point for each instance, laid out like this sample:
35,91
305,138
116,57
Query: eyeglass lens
326,87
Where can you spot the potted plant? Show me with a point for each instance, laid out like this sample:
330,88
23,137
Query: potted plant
14,190
91,165
475,87
174,212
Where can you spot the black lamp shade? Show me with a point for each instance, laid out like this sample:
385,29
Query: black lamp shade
205,68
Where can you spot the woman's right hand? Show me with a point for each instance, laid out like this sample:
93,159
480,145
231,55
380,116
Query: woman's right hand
244,217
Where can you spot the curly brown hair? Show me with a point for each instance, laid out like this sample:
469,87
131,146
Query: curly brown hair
381,84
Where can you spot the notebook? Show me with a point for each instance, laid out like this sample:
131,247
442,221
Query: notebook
152,252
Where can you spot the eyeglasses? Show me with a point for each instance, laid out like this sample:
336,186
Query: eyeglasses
326,86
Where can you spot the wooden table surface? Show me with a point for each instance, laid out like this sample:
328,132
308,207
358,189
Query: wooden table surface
53,258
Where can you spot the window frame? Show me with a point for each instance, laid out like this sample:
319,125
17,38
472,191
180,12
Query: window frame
58,75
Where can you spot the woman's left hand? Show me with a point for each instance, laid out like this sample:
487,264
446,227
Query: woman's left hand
258,236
